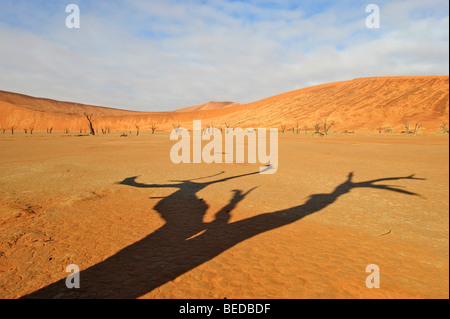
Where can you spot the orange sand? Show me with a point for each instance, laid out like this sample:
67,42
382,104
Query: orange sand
212,105
364,104
305,232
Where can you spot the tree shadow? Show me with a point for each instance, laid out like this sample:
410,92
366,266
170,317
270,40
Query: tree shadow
185,241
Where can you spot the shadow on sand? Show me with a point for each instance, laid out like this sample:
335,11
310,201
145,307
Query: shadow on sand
185,241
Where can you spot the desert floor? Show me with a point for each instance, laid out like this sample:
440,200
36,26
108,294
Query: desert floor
305,232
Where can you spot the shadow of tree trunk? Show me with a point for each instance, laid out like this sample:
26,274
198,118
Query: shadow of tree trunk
185,241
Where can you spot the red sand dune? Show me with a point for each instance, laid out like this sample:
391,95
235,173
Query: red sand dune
362,104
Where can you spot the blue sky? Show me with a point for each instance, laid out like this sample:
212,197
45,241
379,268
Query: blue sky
161,55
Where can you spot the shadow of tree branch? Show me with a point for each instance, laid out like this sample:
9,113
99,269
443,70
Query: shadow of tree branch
185,241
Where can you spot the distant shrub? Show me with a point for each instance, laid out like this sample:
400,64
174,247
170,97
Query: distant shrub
388,130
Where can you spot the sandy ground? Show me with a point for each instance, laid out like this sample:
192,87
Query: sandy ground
139,226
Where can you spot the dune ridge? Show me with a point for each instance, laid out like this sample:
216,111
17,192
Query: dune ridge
363,104
211,105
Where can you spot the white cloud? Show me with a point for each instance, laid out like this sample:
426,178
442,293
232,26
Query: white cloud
161,55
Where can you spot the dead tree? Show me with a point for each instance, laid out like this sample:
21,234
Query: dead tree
317,128
297,128
283,128
209,128
306,130
66,131
25,130
326,128
405,123
227,127
444,128
176,127
31,130
89,118
12,130
153,127
137,130
417,127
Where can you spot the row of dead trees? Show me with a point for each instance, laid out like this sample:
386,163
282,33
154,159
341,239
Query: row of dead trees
89,118
12,129
417,127
208,128
321,128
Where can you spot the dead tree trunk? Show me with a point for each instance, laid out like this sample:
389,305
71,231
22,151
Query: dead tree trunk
444,128
405,123
317,128
153,127
417,127
227,127
327,128
297,128
137,130
89,118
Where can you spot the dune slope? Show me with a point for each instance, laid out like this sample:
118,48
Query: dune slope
364,104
